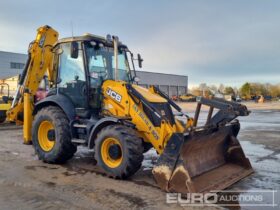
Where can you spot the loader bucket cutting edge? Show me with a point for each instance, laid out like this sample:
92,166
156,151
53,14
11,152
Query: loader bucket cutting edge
202,161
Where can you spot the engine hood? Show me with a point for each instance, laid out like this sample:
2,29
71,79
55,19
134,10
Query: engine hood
148,95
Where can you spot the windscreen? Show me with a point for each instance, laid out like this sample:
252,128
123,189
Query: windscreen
101,63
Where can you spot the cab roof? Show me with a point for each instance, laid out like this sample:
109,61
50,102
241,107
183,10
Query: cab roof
90,37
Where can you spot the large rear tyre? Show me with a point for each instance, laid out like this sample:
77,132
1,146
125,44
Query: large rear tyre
51,136
119,151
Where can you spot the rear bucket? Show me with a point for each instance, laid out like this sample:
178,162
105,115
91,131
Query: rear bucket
208,159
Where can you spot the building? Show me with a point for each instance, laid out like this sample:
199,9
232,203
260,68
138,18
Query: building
171,84
12,64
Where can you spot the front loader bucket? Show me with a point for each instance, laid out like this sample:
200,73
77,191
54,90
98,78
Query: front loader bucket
206,159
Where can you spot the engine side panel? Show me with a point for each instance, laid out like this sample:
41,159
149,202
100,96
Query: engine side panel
118,102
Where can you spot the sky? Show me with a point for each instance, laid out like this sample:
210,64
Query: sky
213,42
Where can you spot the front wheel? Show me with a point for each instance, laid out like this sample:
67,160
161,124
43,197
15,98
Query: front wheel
51,136
119,151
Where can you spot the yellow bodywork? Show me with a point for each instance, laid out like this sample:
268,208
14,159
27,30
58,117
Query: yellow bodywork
126,107
5,107
149,95
41,60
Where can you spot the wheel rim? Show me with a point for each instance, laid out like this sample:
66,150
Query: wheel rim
46,136
109,149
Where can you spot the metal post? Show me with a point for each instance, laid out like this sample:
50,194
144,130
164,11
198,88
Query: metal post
115,40
28,118
197,111
209,114
168,91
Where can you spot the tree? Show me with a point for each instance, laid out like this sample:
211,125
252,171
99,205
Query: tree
196,91
274,90
245,90
258,89
229,91
202,90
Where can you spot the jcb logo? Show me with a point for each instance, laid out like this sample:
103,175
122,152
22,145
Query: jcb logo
114,95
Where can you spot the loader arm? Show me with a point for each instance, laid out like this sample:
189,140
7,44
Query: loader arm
39,62
189,154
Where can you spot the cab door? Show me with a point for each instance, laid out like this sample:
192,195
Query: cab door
71,76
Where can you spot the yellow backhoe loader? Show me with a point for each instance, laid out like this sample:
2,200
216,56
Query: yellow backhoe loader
5,100
94,100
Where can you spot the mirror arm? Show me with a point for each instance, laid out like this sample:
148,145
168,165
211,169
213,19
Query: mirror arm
133,66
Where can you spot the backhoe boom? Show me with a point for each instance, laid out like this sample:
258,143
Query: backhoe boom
39,63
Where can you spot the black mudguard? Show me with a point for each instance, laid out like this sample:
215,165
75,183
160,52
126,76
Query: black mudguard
57,100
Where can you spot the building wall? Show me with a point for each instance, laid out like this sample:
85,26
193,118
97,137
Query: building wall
171,84
11,64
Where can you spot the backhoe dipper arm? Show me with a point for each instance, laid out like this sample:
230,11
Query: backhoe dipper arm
39,62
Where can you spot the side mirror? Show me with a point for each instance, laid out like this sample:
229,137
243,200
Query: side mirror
140,60
74,50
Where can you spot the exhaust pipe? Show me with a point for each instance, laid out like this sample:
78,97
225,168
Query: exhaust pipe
116,43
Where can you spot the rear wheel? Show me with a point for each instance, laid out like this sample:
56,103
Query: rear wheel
119,151
51,136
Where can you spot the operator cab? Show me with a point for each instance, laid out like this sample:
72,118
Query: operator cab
83,64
